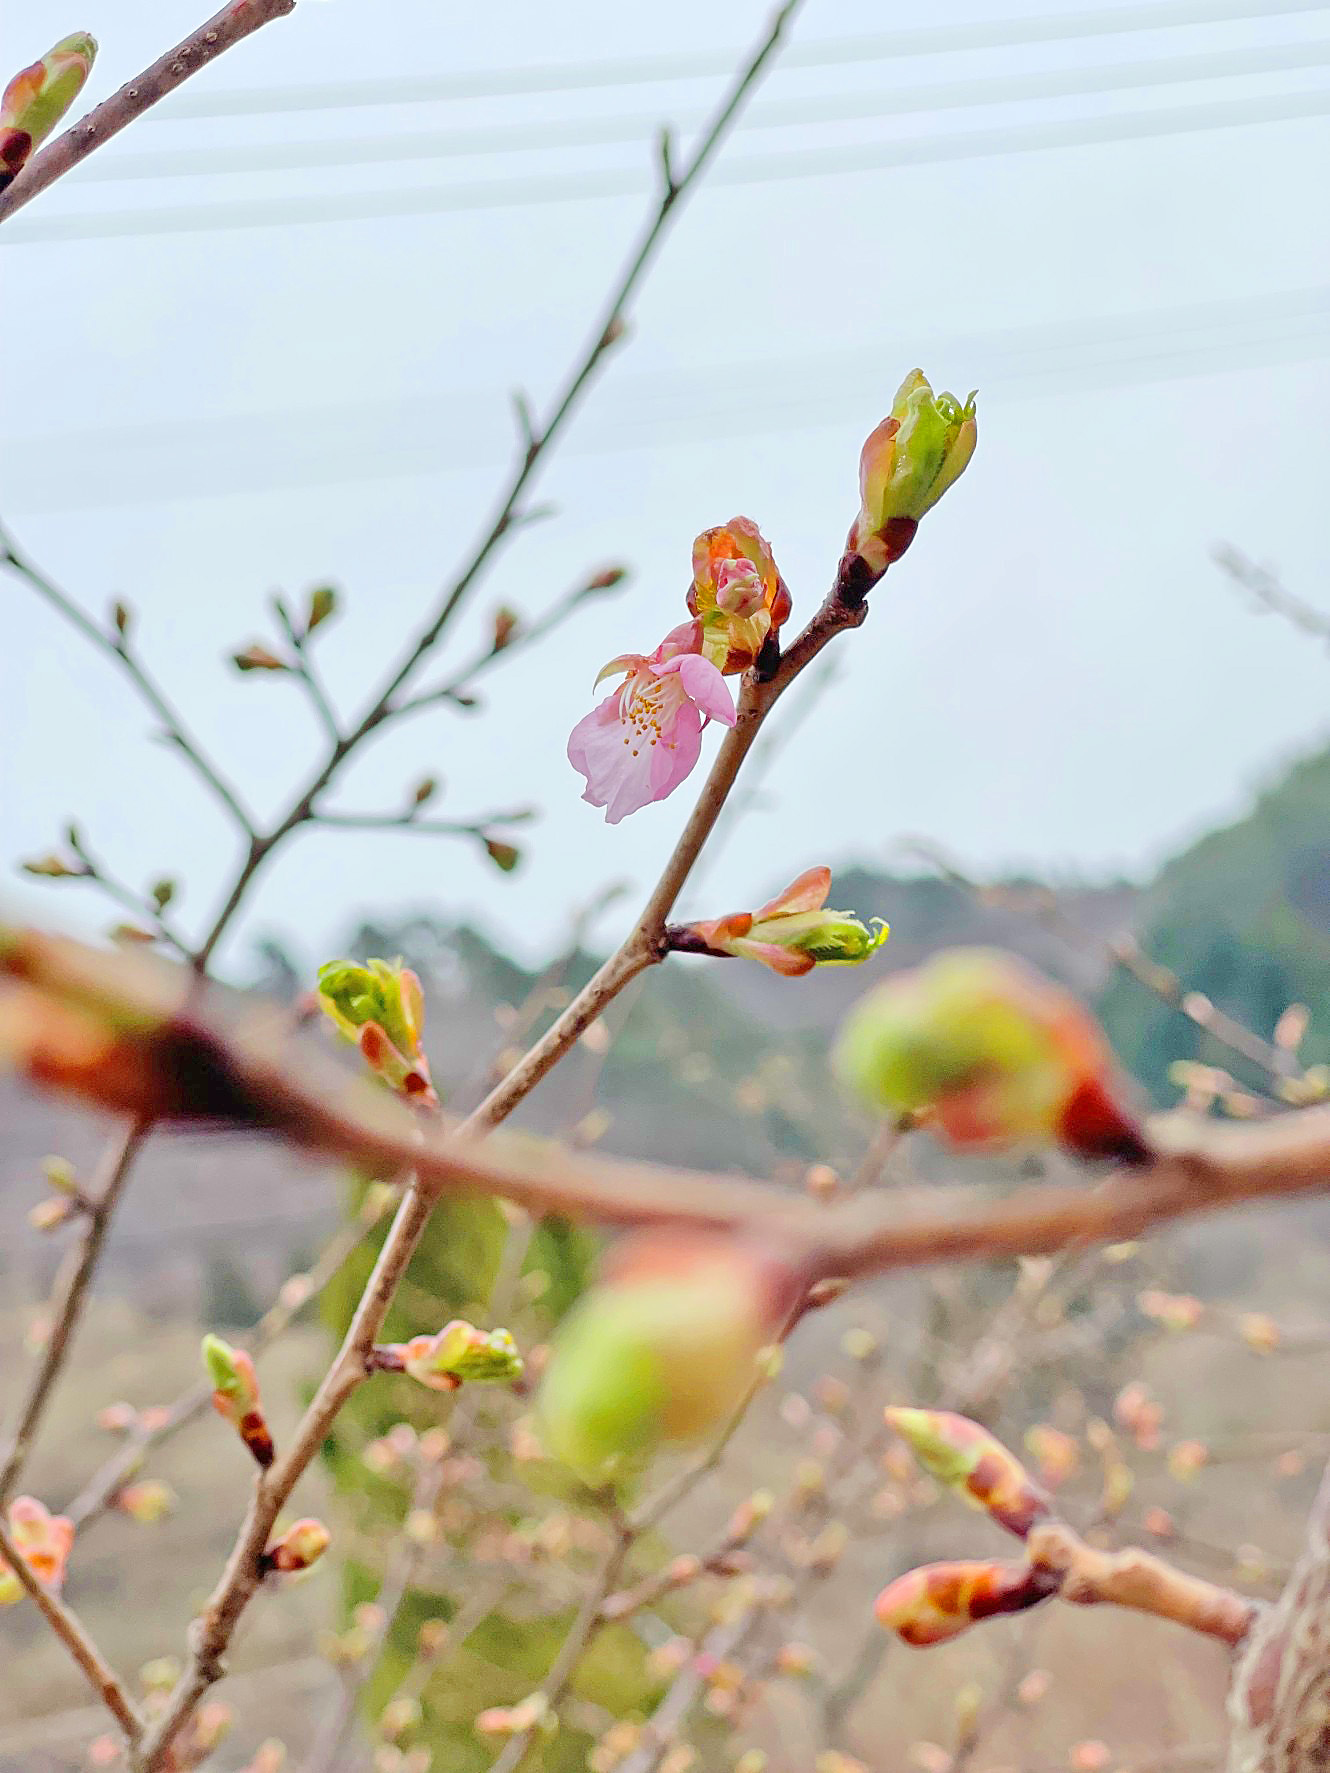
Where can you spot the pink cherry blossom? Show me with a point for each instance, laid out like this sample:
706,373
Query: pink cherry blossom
640,743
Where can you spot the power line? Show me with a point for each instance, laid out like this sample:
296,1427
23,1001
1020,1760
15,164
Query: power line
583,132
532,192
394,88
1198,339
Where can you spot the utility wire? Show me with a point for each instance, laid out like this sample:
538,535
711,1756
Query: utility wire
395,88
585,132
531,192
1029,362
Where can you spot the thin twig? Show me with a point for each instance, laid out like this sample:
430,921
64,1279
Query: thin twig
116,646
66,1625
102,1488
236,20
69,1298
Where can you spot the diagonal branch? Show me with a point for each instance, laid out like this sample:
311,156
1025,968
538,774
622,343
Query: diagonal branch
101,1677
67,1302
237,20
117,647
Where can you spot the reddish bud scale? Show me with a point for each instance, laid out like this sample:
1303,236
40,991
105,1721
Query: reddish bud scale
970,1461
936,1602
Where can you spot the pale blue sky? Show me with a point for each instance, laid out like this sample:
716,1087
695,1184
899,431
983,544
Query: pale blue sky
1057,676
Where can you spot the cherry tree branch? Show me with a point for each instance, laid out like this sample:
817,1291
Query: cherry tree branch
69,1298
237,20
66,1625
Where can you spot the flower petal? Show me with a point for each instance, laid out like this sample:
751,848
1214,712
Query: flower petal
808,893
704,686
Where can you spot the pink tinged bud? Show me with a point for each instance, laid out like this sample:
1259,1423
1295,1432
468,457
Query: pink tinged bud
908,462
737,593
236,1395
978,1468
993,1053
38,97
298,1548
44,1540
147,1502
792,933
939,1601
381,1007
461,1354
662,1350
642,741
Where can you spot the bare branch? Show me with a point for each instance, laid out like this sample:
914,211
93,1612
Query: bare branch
116,645
69,1298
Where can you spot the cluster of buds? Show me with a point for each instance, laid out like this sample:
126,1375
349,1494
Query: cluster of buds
663,1348
920,449
43,1540
939,1601
381,1007
298,1548
458,1354
235,1395
992,1054
791,934
38,97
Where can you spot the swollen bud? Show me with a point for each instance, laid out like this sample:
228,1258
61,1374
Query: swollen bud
969,1461
661,1350
791,934
939,1601
381,1007
38,97
235,1395
298,1548
737,593
43,1540
993,1052
908,462
460,1354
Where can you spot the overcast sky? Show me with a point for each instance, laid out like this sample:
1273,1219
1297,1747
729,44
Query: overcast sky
1128,258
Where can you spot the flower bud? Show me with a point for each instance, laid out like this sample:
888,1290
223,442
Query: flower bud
994,1053
940,1601
969,1461
43,1540
459,1354
298,1548
381,1007
38,97
663,1349
236,1395
907,463
146,1502
737,594
792,933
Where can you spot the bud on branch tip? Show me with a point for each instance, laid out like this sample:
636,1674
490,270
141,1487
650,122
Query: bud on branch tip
791,934
38,97
972,1463
235,1395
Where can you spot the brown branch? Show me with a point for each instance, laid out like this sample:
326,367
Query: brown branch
117,646
1140,1581
102,1488
101,1677
69,1298
1280,1696
236,21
